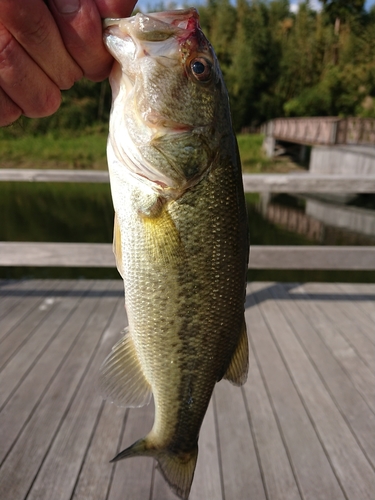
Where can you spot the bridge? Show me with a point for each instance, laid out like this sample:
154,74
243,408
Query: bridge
338,145
328,130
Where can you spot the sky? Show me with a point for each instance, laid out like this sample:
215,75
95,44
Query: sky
148,5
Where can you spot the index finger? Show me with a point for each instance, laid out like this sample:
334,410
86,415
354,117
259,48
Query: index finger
82,31
34,28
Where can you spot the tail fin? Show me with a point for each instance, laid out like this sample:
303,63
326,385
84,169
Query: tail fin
177,469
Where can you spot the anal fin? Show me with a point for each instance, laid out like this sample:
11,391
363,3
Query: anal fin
121,379
239,364
117,249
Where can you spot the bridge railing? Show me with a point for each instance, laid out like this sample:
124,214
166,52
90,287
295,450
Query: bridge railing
328,130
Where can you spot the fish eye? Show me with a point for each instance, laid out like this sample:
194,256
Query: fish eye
201,69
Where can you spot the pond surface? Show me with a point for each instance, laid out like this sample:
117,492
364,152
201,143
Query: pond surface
83,213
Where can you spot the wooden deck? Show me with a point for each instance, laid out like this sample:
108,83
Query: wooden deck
303,426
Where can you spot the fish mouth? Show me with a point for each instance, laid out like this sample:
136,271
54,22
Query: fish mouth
156,26
177,26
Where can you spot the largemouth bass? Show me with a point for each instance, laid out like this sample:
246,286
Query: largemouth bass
180,236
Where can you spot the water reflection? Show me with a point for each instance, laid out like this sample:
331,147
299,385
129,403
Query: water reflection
321,219
83,213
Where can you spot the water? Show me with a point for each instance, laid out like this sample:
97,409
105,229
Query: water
83,213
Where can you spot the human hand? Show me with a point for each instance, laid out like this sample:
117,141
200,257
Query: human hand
46,46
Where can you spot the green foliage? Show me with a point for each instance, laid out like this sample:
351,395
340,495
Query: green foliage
274,62
343,9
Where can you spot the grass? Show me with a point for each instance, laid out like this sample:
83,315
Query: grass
54,150
87,150
254,159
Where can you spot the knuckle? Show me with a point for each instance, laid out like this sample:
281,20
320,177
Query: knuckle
7,48
38,31
69,79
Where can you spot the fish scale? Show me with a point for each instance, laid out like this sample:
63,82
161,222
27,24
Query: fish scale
181,241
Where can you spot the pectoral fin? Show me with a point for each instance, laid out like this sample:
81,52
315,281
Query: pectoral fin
161,235
121,378
239,364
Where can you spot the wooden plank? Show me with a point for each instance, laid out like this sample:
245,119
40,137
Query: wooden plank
351,466
261,257
26,327
312,470
22,307
11,293
53,175
56,254
59,472
133,477
25,458
241,474
361,376
362,306
96,476
312,257
27,355
366,302
351,405
278,474
308,183
276,183
346,318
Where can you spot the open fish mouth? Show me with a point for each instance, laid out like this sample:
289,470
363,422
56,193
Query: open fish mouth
156,26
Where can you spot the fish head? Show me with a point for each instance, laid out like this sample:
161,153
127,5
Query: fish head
170,106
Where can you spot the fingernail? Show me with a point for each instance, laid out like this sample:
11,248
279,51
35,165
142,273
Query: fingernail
67,6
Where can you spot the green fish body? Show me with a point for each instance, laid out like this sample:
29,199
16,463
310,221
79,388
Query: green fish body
180,235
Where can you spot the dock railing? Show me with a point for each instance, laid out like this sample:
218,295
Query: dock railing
261,257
